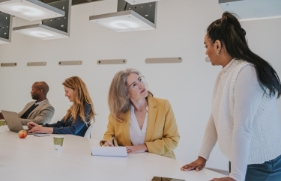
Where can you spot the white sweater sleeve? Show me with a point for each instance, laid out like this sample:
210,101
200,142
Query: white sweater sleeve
209,139
247,97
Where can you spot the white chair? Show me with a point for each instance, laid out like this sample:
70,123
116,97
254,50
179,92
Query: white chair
88,132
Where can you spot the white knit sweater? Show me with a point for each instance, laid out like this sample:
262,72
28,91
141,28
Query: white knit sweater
244,120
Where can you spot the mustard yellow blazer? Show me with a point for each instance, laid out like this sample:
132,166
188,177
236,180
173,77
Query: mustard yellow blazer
162,135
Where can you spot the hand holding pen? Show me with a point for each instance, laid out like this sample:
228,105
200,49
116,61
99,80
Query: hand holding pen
110,142
113,140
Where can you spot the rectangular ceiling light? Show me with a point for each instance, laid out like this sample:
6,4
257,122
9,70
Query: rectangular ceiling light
247,10
41,31
30,10
123,21
133,2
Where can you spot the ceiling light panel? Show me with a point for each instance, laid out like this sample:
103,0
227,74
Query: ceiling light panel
252,10
30,10
133,2
41,32
123,21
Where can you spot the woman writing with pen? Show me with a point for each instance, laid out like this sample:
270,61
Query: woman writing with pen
138,120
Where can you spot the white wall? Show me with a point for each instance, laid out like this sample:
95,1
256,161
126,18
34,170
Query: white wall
180,32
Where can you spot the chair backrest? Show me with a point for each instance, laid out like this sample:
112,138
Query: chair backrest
88,132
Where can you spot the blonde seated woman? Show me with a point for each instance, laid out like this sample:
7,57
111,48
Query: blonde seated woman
78,117
138,120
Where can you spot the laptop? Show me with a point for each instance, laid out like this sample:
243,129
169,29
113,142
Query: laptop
13,121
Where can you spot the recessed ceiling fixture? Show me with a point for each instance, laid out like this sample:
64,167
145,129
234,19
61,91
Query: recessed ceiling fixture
133,2
123,21
128,17
252,10
50,28
40,31
30,10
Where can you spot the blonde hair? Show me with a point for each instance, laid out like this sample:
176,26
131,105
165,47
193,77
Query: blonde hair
81,96
118,99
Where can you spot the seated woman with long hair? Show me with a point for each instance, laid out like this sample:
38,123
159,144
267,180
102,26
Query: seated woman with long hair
138,120
78,117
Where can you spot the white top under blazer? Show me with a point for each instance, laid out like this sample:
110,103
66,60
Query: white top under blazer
137,135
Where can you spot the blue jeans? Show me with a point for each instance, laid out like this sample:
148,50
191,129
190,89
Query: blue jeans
267,171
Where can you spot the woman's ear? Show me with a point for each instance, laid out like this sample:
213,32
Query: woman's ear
218,46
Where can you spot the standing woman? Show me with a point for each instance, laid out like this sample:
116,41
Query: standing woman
138,120
78,117
244,117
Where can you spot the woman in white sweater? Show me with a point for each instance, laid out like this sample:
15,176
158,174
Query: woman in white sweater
244,117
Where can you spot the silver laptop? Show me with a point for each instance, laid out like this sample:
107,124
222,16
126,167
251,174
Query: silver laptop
13,121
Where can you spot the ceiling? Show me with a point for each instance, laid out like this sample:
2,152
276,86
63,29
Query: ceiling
74,2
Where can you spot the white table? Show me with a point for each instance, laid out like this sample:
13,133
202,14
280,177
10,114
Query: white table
35,159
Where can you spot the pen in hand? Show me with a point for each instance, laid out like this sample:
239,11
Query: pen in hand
113,140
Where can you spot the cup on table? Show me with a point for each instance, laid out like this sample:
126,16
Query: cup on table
58,141
2,122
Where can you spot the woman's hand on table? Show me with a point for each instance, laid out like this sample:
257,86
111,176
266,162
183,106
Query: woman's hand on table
41,129
137,149
197,165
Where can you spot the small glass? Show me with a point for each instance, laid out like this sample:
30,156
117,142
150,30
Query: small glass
2,122
58,141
